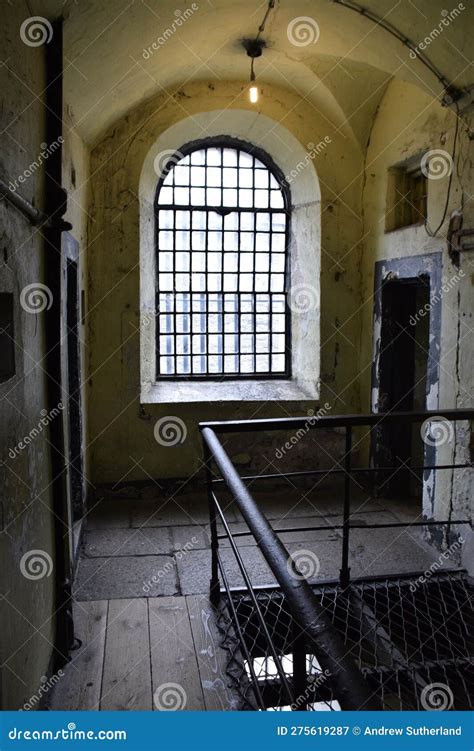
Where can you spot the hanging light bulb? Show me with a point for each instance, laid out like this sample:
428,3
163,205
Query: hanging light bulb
253,48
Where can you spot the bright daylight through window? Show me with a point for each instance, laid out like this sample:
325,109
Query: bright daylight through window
222,233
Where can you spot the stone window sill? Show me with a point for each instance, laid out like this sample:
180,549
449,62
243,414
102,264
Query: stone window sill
174,392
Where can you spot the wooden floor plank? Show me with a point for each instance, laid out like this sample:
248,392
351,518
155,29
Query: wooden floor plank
127,677
173,658
212,659
79,688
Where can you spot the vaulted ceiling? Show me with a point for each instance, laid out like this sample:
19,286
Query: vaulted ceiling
342,70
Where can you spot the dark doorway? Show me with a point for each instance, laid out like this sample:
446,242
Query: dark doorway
74,391
403,373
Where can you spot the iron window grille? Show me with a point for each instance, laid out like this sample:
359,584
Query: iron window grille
222,213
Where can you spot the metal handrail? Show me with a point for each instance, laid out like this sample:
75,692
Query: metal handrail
348,681
334,421
352,690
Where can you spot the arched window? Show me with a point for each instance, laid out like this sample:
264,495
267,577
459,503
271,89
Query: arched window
222,213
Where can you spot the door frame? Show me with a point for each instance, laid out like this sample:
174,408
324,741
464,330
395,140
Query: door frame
428,267
70,252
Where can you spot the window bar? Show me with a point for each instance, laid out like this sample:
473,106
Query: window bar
202,338
239,297
345,574
236,327
244,302
187,326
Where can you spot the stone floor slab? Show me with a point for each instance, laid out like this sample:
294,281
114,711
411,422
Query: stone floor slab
126,577
128,542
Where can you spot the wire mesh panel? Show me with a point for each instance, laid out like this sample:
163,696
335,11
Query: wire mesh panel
222,218
412,641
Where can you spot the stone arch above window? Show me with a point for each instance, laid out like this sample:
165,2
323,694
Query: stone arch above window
171,370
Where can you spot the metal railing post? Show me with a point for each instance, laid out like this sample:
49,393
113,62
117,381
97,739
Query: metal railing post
352,690
214,587
300,679
345,574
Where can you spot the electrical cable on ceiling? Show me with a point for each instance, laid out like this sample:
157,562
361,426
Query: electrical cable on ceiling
254,49
450,97
261,28
451,92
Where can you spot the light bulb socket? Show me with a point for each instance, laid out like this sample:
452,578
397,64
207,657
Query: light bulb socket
253,47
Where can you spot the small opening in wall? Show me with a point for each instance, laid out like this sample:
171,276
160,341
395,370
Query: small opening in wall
7,344
406,196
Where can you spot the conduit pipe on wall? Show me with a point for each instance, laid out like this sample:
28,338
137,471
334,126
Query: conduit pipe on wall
34,215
